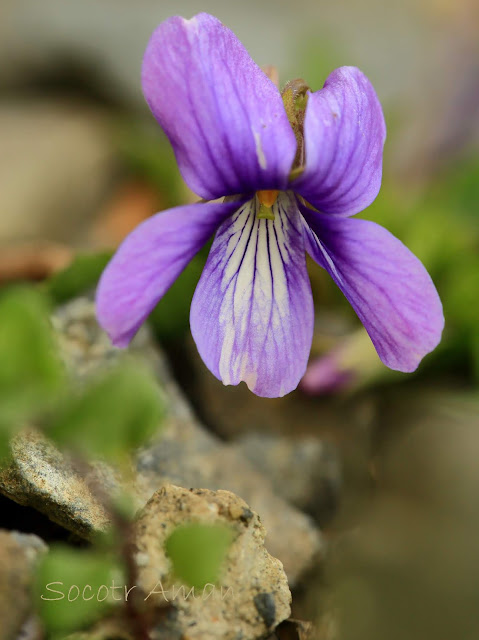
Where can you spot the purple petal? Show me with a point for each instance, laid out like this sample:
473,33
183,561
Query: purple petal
387,286
222,114
149,261
344,133
252,312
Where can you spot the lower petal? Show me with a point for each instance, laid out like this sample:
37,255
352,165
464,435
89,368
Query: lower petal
252,312
387,286
148,262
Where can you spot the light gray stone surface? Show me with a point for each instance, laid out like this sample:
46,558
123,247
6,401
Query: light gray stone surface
304,470
18,554
252,596
183,453
41,477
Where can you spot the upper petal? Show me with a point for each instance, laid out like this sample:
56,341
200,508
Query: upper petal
222,114
148,262
344,134
387,286
252,312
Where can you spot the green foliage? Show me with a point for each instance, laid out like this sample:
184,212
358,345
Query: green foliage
73,588
6,432
80,276
170,318
475,355
31,375
197,552
148,153
458,189
461,286
108,418
316,57
112,415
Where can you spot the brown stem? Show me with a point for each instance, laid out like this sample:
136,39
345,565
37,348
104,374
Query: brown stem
124,531
137,622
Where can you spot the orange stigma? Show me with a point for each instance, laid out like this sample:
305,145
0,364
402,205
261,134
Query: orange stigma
268,198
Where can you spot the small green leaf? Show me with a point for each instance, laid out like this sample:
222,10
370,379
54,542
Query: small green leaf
113,415
458,190
147,153
82,274
475,356
73,588
171,316
197,552
31,375
459,292
6,432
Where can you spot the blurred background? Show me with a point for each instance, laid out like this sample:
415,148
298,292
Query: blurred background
82,162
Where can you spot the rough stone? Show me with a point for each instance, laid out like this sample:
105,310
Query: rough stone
252,596
184,453
194,458
18,554
304,470
42,477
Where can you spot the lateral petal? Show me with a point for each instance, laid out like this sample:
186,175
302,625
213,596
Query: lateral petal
224,117
252,312
388,287
148,262
344,134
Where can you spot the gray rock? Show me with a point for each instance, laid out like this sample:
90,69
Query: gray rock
252,596
32,546
31,629
194,458
40,476
18,554
265,605
183,453
304,470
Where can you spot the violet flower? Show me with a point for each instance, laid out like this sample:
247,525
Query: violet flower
294,167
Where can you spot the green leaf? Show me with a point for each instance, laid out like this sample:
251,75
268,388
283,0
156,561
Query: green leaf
475,356
31,375
197,552
80,276
458,190
113,416
147,153
6,432
171,317
73,588
459,292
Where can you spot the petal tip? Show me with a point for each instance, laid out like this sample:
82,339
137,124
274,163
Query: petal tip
121,342
409,361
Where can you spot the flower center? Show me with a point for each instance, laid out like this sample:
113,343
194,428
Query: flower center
266,201
295,99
